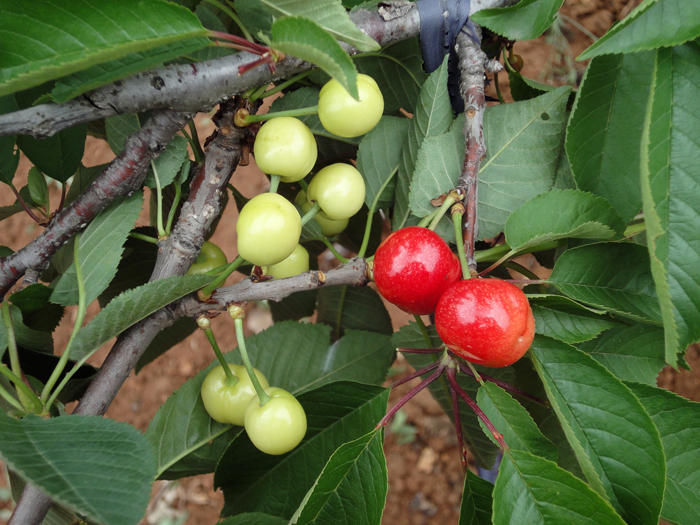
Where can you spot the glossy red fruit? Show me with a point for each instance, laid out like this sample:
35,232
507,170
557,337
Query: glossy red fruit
485,321
413,267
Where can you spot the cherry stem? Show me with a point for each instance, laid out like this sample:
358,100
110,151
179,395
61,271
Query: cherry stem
512,265
423,329
476,375
205,293
411,394
449,201
457,214
63,199
231,379
458,427
246,45
262,395
274,183
311,213
370,214
196,145
505,386
145,238
299,112
421,350
451,377
232,15
332,249
426,220
280,87
415,374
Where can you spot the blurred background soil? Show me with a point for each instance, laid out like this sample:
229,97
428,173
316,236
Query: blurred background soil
425,475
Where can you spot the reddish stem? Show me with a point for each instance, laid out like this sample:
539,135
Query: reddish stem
246,45
451,376
24,205
415,374
505,386
458,425
411,394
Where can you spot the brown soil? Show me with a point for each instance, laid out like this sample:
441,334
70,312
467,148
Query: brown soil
425,476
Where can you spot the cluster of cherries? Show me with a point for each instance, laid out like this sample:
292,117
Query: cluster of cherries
485,321
285,147
268,229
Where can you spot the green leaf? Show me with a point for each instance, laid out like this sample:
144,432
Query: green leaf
438,166
535,491
119,128
670,176
652,24
305,39
678,421
82,179
100,251
130,307
523,146
296,357
477,501
27,337
36,49
257,17
631,353
168,163
523,88
349,308
510,418
9,156
336,413
303,98
294,307
615,440
613,277
165,340
479,443
44,452
378,159
561,214
78,83
433,116
38,188
561,318
359,463
253,518
37,311
525,20
57,156
398,71
57,514
329,14
604,133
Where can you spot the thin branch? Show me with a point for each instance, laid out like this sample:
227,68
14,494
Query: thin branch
203,85
191,87
125,174
473,63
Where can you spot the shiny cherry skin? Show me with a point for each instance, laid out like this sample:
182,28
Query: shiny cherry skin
344,116
210,257
413,267
296,263
285,146
279,425
486,321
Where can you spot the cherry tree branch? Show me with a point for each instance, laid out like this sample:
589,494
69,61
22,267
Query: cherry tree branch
473,63
193,87
125,174
200,86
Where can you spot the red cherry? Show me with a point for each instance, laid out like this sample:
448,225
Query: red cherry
485,321
413,267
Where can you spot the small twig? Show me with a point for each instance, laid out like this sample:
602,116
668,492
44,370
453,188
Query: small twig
505,386
472,68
